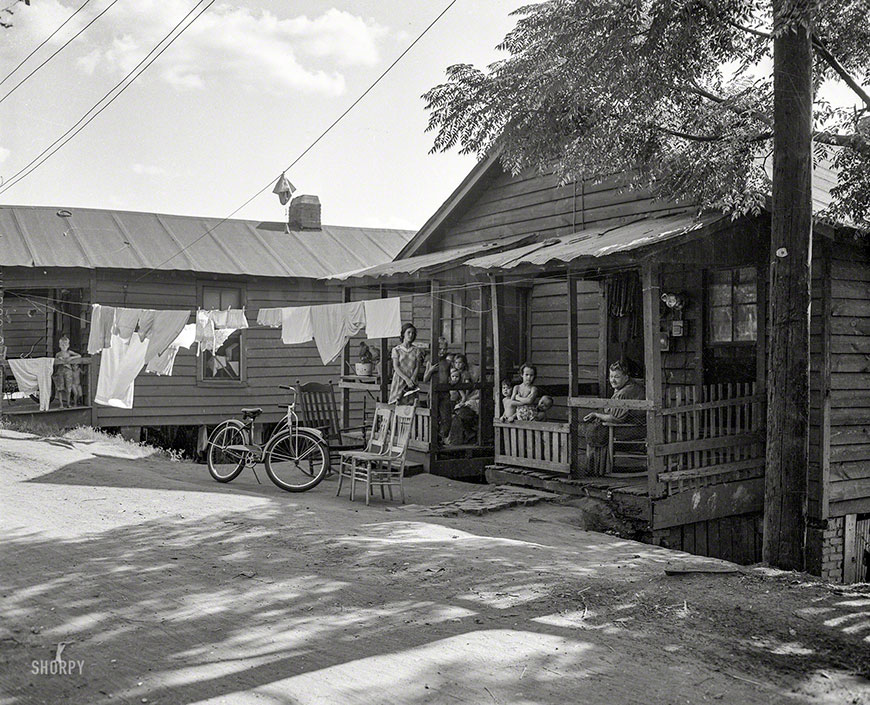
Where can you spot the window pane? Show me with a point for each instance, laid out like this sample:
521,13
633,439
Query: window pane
747,274
229,299
720,288
226,361
720,325
211,298
457,330
746,325
446,330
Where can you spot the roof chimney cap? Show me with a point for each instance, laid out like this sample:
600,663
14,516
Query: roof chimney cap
304,213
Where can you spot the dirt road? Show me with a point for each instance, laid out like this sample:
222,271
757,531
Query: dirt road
165,587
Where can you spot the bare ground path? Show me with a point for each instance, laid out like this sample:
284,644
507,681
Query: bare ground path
170,588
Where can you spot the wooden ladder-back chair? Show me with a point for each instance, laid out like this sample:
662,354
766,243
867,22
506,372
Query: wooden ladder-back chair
378,444
318,409
388,470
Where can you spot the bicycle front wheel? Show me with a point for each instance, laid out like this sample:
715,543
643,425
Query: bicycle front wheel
296,462
225,463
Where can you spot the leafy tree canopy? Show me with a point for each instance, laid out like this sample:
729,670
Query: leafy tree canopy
671,94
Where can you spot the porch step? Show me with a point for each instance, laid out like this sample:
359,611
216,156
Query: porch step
630,494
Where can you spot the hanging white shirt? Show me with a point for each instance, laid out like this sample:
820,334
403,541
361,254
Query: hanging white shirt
120,363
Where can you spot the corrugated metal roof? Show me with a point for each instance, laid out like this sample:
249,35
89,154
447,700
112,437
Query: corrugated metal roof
412,265
36,236
597,242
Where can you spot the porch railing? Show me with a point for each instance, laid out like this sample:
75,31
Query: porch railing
533,444
711,434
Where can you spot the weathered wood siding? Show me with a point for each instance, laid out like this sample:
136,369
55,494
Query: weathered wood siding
817,484
849,490
180,399
536,204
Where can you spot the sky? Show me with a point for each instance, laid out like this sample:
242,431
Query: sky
236,99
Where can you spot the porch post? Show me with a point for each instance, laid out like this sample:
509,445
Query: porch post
496,296
345,367
573,372
653,371
484,415
385,358
435,327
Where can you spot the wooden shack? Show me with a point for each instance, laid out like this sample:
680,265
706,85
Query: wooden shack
576,275
57,262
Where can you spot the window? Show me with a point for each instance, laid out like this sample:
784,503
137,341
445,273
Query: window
225,363
451,317
732,311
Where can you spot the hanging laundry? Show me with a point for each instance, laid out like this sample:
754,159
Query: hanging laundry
102,322
126,320
164,362
269,317
236,319
165,329
120,363
219,318
204,332
296,325
33,375
383,318
333,325
284,189
146,324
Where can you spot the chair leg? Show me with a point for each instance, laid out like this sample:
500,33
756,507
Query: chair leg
340,480
390,489
368,486
402,491
608,463
383,496
353,484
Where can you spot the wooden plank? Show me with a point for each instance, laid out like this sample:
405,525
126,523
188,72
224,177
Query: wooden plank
852,470
843,490
709,443
850,543
695,473
597,403
573,372
850,453
650,281
706,503
824,459
736,401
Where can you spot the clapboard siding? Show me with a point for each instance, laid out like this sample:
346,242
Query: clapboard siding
538,204
26,327
850,379
180,399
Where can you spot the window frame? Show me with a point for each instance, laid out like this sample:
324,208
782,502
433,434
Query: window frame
708,306
455,302
201,379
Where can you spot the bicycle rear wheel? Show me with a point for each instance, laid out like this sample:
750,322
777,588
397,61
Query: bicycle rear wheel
296,462
224,463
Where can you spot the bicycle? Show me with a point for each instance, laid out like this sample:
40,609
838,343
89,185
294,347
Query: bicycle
296,457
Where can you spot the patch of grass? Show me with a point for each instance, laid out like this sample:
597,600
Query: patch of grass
87,433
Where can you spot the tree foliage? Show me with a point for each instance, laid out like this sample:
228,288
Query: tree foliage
676,95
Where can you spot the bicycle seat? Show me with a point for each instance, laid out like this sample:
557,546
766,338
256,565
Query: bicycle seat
253,413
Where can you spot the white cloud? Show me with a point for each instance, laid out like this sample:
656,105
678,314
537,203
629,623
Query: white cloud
147,169
251,49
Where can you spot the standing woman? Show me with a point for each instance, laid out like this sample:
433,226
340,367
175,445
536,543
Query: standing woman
407,361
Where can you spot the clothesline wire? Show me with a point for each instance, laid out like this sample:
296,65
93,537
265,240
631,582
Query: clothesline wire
310,146
44,42
57,51
84,120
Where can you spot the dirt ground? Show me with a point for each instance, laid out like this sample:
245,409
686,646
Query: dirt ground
145,581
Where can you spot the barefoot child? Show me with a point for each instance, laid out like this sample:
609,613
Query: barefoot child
65,379
524,394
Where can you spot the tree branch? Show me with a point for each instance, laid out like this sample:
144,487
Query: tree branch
856,142
831,60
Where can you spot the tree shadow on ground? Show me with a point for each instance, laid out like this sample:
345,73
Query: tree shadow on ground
274,602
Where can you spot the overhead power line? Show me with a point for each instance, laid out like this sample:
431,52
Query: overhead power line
44,42
124,84
310,146
60,49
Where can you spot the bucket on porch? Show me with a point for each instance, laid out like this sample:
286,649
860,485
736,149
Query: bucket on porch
363,369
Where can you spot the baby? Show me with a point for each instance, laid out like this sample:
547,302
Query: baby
545,403
67,375
524,394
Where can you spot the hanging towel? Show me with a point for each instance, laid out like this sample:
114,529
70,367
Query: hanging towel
164,362
120,363
33,374
269,317
296,324
236,319
383,318
165,329
219,318
284,189
333,325
204,332
126,320
146,324
107,325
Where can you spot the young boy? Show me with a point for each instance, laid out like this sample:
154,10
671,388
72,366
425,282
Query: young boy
66,379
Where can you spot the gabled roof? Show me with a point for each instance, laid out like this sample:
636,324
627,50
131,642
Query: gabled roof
43,236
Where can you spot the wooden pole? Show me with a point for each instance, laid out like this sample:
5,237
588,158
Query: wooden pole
385,358
788,406
434,396
345,369
652,357
573,373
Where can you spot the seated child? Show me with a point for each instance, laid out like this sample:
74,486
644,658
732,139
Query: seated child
455,394
523,394
65,380
545,403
